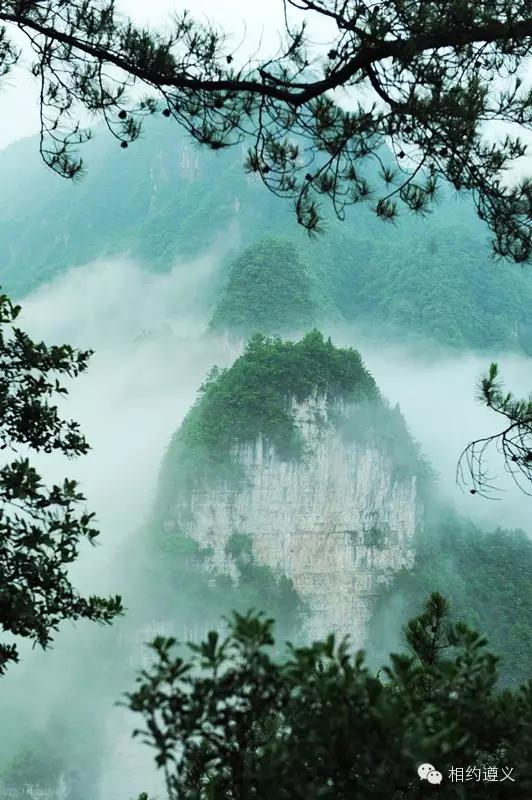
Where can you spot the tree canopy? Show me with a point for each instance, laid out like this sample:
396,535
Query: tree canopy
483,573
254,398
438,74
268,290
231,720
40,528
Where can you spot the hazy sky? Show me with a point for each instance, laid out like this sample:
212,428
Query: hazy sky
254,26
259,21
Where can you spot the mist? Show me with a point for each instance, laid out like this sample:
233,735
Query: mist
152,352
150,357
438,397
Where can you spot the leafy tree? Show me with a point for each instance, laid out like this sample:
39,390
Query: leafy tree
232,722
430,65
40,528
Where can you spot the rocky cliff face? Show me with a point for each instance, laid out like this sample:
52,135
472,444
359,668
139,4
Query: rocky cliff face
338,522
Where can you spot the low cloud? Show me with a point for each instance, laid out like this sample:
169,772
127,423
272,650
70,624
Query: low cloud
152,351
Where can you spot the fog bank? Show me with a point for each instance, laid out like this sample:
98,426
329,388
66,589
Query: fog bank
152,352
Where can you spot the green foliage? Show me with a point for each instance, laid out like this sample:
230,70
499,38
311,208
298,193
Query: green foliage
230,721
186,586
268,290
263,587
38,765
376,537
253,398
432,67
424,281
485,575
28,379
40,528
427,279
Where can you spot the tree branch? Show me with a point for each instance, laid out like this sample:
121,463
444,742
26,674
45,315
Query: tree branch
367,55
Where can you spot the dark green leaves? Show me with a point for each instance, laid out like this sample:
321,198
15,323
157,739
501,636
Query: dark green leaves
40,528
318,724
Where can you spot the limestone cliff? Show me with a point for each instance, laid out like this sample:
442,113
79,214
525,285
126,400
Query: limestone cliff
338,521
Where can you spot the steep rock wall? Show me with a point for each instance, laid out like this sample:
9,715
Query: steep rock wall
338,522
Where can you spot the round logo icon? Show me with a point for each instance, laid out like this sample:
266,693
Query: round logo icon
424,769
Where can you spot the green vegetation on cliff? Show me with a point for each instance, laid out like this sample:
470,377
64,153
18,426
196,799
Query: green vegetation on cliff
486,576
268,290
253,397
192,592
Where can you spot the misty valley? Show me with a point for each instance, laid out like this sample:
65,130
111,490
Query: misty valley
274,424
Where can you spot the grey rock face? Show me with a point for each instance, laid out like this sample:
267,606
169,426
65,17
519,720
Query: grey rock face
339,522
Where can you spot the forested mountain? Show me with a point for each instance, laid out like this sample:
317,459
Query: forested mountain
269,289
165,198
292,472
388,544
484,573
302,586
320,511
